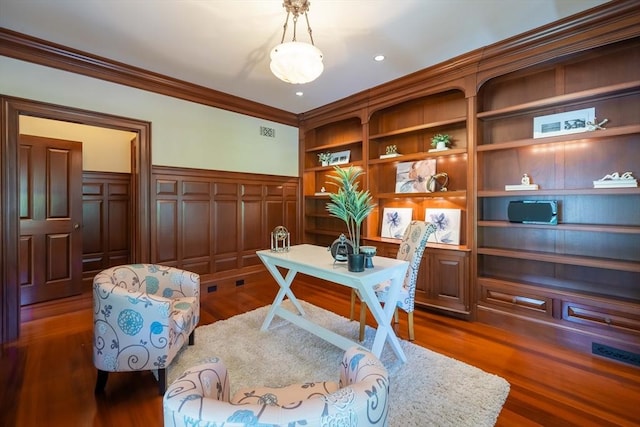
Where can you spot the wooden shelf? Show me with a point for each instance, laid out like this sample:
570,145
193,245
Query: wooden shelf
333,146
594,228
561,192
425,126
439,194
390,241
583,261
419,156
330,168
312,196
564,100
563,139
325,232
318,215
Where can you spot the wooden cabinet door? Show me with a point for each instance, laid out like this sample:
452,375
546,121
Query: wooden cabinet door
50,258
448,279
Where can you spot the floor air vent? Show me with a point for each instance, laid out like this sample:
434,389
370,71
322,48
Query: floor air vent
615,354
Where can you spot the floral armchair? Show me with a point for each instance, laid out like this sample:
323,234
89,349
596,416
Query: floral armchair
143,314
201,396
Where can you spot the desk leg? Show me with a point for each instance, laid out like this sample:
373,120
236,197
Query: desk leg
285,289
383,317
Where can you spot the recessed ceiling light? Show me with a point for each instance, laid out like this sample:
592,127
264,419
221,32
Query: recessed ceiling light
378,58
299,93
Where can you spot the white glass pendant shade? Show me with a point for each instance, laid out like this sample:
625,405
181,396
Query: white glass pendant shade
296,62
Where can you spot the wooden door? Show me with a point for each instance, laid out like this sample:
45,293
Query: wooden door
50,257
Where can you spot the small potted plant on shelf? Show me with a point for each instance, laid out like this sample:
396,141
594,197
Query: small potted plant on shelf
441,141
324,158
352,205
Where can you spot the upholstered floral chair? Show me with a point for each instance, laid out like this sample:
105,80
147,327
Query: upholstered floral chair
201,396
411,249
143,314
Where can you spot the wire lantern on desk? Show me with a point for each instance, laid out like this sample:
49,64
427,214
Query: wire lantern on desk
280,239
340,248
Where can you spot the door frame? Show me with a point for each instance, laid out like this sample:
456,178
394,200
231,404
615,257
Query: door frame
11,109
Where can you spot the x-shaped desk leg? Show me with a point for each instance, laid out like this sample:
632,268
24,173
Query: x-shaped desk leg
285,289
383,316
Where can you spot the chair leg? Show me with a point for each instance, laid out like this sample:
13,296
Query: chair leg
395,315
410,322
363,319
192,337
101,381
352,312
162,381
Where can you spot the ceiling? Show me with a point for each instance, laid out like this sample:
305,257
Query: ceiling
225,44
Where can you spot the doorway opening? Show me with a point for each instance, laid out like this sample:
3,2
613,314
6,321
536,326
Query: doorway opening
12,109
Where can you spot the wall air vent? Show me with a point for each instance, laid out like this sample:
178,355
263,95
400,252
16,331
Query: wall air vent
615,354
268,132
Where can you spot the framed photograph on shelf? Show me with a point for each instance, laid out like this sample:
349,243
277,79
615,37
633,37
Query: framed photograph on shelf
447,222
563,123
395,221
413,177
339,158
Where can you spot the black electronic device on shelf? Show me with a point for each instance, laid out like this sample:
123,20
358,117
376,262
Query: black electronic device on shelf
533,211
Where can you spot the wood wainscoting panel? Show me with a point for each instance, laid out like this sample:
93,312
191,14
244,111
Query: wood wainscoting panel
164,247
220,219
106,221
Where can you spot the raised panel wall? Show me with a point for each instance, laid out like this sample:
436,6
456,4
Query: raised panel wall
213,222
106,221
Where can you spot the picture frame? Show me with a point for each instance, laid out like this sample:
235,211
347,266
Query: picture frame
413,177
447,222
395,222
563,123
340,158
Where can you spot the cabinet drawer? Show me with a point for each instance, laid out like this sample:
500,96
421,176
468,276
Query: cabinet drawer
620,319
517,300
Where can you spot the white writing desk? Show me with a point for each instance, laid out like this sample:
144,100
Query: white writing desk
317,261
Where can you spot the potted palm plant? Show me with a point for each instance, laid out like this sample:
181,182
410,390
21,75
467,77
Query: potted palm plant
352,205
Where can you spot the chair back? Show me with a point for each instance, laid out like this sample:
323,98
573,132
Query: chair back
200,396
142,315
411,249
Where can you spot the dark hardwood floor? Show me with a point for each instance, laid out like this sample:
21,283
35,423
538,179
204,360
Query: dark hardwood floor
47,377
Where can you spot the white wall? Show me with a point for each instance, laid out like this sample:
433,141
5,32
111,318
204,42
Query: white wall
103,150
183,134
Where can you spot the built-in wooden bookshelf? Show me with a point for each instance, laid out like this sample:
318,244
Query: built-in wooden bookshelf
583,272
575,283
408,125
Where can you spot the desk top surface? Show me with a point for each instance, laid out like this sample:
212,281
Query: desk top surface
312,259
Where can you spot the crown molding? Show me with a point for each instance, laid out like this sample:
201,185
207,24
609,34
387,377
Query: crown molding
26,48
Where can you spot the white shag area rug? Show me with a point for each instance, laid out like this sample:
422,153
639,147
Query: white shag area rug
428,390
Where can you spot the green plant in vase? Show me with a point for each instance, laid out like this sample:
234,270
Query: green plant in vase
324,158
350,203
441,141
